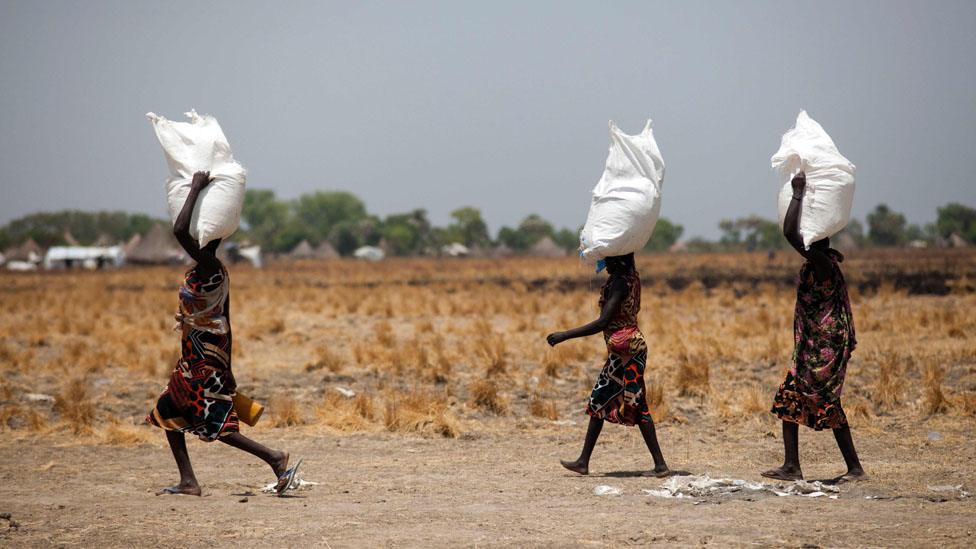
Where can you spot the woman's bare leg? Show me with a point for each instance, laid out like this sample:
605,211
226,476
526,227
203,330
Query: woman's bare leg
188,481
582,464
846,445
277,459
650,439
791,463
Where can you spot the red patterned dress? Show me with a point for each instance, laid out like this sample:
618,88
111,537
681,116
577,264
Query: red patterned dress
619,395
199,397
823,336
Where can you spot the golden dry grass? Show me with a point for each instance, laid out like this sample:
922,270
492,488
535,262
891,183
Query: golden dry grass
442,347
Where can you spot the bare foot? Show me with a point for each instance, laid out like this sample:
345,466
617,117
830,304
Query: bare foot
665,472
853,475
784,473
576,466
181,490
280,466
661,471
280,463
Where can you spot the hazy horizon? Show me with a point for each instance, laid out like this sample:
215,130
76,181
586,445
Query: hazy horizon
500,106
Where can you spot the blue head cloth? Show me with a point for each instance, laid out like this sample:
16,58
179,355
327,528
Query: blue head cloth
600,265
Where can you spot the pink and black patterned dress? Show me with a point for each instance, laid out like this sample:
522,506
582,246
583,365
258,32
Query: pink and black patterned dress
619,395
823,336
199,397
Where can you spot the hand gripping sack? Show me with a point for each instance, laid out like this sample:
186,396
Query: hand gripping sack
627,200
200,145
829,193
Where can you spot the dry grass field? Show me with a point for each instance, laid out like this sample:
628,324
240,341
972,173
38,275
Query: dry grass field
461,410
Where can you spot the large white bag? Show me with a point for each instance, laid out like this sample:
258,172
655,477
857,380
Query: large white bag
627,200
829,193
200,145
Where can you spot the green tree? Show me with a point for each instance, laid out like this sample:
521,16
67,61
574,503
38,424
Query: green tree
535,228
531,230
348,235
567,240
751,233
270,222
512,238
854,229
48,228
956,218
886,227
468,228
665,235
320,212
408,233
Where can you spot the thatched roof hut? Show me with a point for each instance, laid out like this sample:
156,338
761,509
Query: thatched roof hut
29,251
325,251
501,251
546,247
158,246
957,241
104,241
302,251
69,239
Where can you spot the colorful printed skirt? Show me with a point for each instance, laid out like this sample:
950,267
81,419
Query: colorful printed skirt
198,400
816,409
619,395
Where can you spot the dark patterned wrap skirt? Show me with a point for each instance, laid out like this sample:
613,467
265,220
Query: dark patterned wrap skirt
619,395
199,398
823,335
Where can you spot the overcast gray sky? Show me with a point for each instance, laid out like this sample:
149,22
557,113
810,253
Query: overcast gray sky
500,105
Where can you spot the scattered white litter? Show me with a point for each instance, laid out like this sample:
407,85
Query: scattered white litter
38,397
950,488
935,435
604,490
297,484
694,486
348,393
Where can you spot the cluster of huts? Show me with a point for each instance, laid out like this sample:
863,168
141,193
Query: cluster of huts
546,247
159,247
155,247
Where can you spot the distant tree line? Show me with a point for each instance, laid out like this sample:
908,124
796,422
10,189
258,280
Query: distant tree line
49,229
885,228
341,219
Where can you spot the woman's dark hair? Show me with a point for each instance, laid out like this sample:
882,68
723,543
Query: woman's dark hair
823,244
620,264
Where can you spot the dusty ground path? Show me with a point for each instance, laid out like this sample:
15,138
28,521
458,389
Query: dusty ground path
484,490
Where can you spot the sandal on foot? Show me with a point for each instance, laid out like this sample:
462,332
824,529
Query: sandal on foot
287,479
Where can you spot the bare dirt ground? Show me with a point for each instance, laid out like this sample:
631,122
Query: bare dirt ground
490,490
462,412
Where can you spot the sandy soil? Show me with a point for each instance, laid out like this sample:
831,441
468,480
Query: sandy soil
489,490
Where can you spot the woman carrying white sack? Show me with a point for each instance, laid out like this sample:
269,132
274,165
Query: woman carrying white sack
625,207
205,191
815,204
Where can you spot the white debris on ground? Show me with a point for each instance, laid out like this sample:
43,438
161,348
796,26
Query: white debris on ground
604,490
694,486
950,488
297,483
348,393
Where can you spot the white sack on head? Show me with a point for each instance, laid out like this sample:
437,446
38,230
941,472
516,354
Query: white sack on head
829,194
200,145
627,200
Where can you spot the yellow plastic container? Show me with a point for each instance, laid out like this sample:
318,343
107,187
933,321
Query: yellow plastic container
247,410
